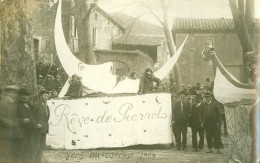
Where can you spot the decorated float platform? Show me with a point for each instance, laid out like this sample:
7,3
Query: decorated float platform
110,121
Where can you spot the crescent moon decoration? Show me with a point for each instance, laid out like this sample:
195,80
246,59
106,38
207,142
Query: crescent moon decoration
99,77
95,77
229,90
156,99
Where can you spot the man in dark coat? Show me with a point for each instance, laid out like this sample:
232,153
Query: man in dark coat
180,119
10,133
146,82
41,116
195,124
210,120
27,125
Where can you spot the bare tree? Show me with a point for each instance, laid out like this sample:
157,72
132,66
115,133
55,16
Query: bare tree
82,10
170,43
244,21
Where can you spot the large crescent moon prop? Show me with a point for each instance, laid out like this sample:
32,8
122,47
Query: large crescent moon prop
227,93
95,77
131,86
99,77
229,90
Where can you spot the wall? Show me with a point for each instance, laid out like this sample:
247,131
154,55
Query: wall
106,31
149,50
136,61
192,66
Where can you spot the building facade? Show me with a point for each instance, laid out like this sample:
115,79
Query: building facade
218,33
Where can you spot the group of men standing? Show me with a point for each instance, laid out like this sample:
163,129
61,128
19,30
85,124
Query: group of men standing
203,115
23,125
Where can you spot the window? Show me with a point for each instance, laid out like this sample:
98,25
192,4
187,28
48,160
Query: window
36,44
73,26
210,41
96,16
94,36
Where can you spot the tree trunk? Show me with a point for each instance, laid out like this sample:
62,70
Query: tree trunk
244,22
170,44
85,33
17,57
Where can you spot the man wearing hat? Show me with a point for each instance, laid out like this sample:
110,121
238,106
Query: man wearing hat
195,124
210,120
10,133
180,118
41,116
27,124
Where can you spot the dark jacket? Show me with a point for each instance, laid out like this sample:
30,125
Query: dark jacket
195,115
25,111
41,116
9,123
210,113
146,83
176,112
75,89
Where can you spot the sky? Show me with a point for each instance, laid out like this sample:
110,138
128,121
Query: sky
177,8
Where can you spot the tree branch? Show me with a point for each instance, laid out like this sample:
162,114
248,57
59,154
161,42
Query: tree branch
250,18
241,7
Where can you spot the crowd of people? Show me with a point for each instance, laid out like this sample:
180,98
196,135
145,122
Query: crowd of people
23,125
195,107
203,114
50,77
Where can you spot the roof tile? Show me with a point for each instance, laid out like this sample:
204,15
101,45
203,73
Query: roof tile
143,40
182,24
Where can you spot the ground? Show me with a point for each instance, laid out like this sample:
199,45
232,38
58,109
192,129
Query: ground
154,154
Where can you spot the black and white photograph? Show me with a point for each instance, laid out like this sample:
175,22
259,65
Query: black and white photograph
120,81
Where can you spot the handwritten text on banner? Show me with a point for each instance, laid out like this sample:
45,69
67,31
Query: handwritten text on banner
110,121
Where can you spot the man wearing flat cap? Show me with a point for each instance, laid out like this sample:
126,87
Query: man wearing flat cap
41,116
196,128
27,124
180,117
10,133
210,120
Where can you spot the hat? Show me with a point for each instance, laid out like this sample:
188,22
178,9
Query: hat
148,69
43,91
207,94
183,92
24,91
13,88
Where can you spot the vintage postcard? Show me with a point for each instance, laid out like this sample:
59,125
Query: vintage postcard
129,81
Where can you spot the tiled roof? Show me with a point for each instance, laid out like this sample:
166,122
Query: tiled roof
142,40
188,24
137,26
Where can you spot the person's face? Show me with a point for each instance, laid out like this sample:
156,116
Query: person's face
182,96
199,100
55,93
149,72
208,98
45,97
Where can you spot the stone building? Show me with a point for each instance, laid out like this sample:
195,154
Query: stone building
109,33
221,35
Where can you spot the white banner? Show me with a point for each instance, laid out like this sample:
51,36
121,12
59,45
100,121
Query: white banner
110,121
